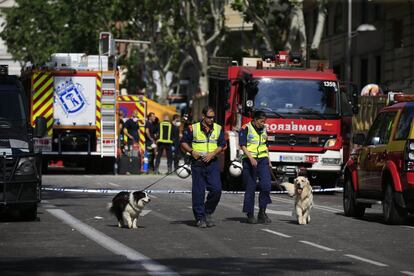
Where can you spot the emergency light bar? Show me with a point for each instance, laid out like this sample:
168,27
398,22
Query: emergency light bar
396,97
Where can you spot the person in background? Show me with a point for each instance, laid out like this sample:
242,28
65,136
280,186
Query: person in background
204,141
256,164
121,123
150,139
131,128
164,142
176,136
186,123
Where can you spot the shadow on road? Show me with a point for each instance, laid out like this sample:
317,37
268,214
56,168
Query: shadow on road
184,266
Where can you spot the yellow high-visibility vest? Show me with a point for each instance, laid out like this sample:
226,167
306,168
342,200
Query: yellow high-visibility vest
201,142
256,144
165,132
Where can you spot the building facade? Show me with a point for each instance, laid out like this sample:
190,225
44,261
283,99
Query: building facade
384,56
5,57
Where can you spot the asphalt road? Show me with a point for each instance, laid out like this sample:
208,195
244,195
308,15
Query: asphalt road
75,235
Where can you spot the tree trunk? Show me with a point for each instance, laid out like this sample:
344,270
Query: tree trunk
202,56
297,27
322,12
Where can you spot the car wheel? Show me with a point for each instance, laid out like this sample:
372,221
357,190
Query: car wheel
393,214
351,207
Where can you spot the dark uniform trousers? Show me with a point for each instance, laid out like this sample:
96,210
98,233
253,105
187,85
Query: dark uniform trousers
168,149
250,175
205,177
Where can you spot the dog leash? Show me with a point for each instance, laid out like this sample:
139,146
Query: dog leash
278,187
152,184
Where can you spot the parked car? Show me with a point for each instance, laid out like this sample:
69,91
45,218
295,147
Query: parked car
381,169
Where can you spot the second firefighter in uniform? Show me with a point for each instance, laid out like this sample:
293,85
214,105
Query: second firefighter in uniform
256,164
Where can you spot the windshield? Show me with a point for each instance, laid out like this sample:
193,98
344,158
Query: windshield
11,107
297,96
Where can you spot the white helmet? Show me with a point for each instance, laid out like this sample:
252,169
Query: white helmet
183,171
235,168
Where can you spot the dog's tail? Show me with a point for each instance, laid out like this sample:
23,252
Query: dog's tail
290,188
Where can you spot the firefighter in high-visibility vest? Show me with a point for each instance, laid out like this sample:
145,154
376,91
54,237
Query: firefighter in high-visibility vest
204,141
164,142
256,164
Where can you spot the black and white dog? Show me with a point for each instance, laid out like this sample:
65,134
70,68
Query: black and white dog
127,206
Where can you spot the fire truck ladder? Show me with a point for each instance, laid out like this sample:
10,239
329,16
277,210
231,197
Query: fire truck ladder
108,140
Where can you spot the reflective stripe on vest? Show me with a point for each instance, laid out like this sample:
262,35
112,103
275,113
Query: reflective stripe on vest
256,144
165,132
201,142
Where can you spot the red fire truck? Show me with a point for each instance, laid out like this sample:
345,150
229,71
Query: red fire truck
309,117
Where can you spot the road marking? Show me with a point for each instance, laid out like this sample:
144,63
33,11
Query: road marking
407,273
276,233
320,207
151,266
318,246
113,184
406,226
145,212
366,260
109,191
282,213
327,208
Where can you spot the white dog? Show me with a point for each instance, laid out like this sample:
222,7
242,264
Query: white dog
301,191
127,206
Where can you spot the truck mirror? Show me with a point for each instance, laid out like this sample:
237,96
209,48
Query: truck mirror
40,127
358,139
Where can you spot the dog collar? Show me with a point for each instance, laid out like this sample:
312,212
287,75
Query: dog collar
132,206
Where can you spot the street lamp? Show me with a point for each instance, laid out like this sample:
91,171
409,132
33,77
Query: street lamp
361,28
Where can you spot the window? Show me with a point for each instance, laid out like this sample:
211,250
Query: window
297,96
378,69
397,33
380,131
364,11
338,18
11,104
403,127
364,71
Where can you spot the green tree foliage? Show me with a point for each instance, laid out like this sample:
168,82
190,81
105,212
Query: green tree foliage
203,24
270,18
35,29
153,21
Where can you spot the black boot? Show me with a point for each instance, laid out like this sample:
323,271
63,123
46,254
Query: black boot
262,217
251,219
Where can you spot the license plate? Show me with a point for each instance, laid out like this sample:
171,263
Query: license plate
42,144
290,158
311,158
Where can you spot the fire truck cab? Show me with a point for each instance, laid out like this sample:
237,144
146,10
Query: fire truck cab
309,117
